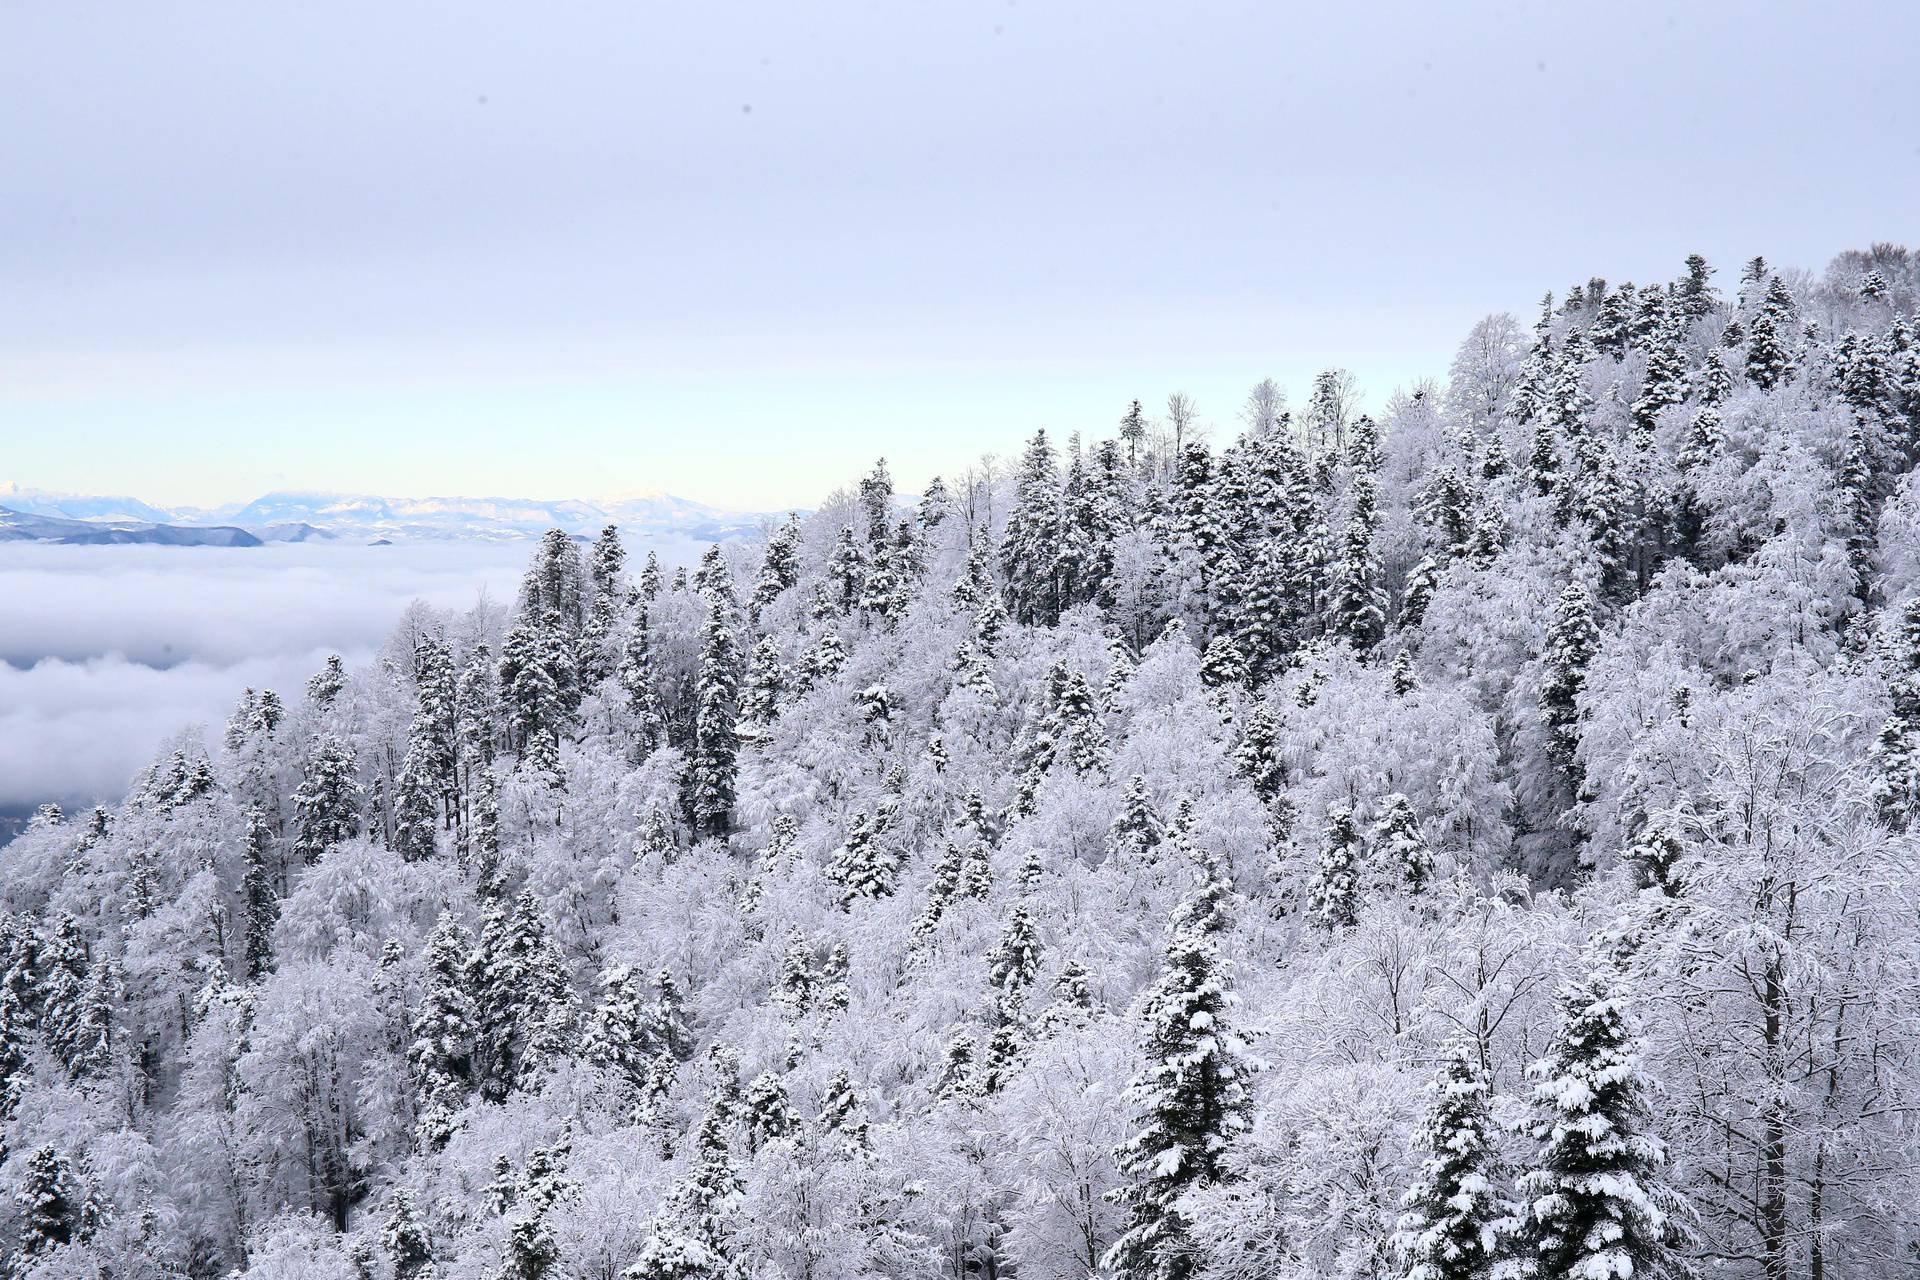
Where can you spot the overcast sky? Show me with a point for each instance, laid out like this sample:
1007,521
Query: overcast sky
737,250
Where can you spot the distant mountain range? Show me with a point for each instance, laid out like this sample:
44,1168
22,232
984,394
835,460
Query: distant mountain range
41,516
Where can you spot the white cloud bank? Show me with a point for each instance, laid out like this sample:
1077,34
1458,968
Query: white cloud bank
106,651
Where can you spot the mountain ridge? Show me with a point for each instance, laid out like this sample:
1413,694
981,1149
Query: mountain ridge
294,515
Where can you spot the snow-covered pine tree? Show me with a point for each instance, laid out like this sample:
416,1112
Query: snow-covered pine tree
1454,1214
1014,960
327,804
1769,357
765,683
327,685
1029,546
716,744
667,1019
1401,677
1399,846
620,1035
1896,752
523,1002
1257,755
260,904
864,866
766,1114
1191,1101
409,1247
416,810
441,1051
1136,830
836,974
1573,637
1594,1202
1356,610
1333,896
1079,731
779,569
53,1209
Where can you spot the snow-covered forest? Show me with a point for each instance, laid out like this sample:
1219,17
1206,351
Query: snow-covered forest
1472,840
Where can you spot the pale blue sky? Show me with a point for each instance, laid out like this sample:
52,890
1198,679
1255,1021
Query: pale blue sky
736,250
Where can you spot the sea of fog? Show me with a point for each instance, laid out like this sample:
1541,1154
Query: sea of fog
107,651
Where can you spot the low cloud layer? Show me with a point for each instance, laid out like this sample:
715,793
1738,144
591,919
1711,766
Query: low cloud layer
105,652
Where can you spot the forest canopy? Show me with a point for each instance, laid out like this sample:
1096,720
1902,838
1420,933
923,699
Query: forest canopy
1473,839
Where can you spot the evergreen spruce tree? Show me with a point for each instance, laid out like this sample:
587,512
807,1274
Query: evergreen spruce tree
956,1077
779,570
327,804
1612,324
716,743
1401,848
441,1051
1572,640
836,972
1896,752
793,987
1356,611
52,1208
1030,544
261,902
87,1045
1594,1202
541,760
326,686
1713,382
523,1003
1133,432
941,891
823,662
766,1114
1656,854
1079,730
1073,1002
1454,1216
635,676
435,730
15,1065
476,711
1401,678
1257,756
1190,1100
1769,359
1334,894
242,716
1205,911
1543,459
416,810
668,1017
1221,665
1015,959
760,698
621,1036
847,570
483,838
1136,830
62,990
1006,1047
839,1113
408,1246
1698,449
864,866
1665,382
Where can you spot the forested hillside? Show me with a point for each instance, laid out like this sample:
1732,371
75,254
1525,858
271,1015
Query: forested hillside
1467,841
